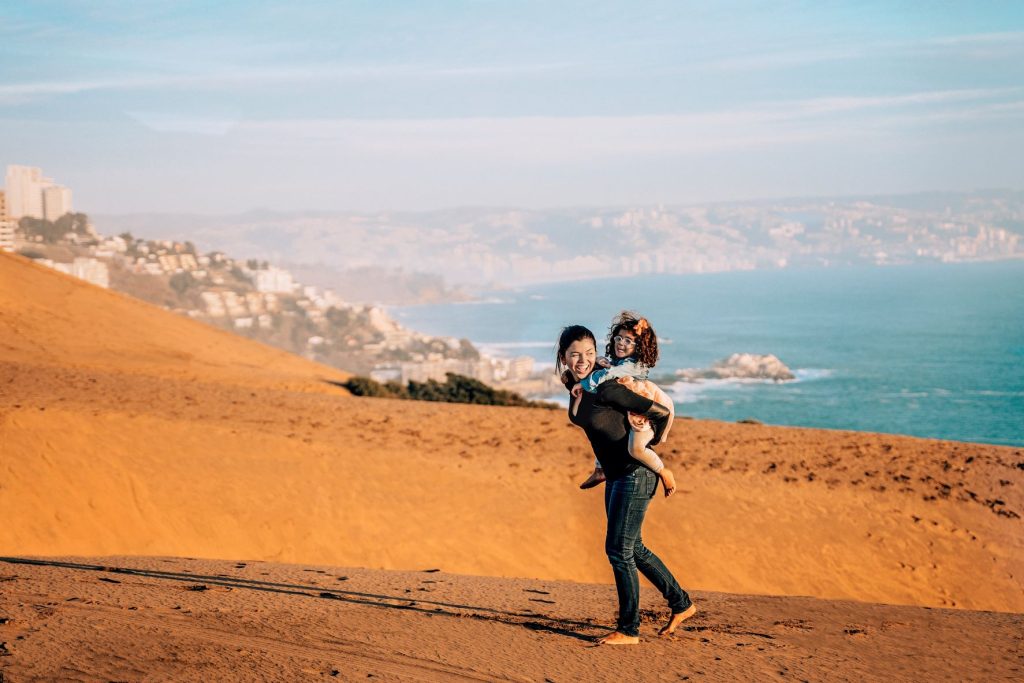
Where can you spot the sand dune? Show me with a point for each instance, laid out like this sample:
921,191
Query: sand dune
47,318
127,430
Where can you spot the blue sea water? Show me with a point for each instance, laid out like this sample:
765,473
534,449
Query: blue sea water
927,350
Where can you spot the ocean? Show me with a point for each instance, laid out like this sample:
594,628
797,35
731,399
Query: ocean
933,351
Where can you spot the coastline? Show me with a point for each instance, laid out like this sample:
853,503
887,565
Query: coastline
918,350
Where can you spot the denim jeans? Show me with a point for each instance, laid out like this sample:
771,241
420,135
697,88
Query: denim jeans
626,499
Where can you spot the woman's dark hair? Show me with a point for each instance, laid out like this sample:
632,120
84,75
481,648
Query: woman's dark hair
646,350
570,334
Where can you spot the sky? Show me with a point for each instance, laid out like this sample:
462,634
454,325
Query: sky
198,107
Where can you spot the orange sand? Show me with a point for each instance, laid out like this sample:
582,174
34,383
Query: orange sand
127,430
187,620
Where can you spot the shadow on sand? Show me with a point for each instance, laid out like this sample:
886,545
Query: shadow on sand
530,620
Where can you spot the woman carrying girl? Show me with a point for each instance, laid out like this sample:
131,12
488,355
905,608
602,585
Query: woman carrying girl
631,352
602,416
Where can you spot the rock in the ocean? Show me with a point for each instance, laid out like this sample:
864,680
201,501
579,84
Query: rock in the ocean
741,366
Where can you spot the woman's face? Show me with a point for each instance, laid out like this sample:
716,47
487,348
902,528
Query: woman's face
580,358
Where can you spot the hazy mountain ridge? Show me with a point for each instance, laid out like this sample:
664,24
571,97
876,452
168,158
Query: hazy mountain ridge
486,246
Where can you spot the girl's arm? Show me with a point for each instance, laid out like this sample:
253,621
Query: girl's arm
592,381
606,374
629,368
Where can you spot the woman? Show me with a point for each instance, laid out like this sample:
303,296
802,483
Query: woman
629,486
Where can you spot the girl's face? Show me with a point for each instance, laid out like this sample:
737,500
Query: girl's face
624,343
580,358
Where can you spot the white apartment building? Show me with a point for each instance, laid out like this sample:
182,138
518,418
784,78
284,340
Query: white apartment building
6,235
274,280
30,193
91,270
214,304
56,202
6,225
88,269
168,262
24,186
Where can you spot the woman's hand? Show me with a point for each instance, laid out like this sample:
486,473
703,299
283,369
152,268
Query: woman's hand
576,391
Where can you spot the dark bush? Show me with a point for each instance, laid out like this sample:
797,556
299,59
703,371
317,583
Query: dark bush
180,282
455,389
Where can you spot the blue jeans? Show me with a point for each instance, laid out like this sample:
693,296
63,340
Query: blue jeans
626,500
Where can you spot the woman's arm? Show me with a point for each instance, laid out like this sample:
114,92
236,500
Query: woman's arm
666,400
620,397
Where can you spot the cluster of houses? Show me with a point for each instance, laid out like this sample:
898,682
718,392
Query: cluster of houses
246,295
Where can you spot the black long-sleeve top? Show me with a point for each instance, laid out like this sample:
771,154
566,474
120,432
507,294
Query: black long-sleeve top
603,417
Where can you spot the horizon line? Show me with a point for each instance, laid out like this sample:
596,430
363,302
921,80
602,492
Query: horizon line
568,207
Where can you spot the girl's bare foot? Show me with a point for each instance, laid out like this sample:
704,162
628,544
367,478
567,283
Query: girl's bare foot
595,478
669,481
676,619
616,638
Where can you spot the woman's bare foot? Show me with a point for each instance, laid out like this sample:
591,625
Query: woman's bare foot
595,478
676,619
616,638
669,481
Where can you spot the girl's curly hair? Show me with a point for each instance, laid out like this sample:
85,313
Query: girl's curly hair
646,349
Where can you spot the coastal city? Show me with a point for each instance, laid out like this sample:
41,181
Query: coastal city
479,248
249,297
258,298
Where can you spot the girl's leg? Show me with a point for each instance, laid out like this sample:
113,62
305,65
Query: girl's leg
638,440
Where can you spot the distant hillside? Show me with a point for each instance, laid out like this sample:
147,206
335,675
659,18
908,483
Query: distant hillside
508,246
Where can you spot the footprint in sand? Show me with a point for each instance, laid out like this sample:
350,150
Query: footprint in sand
798,624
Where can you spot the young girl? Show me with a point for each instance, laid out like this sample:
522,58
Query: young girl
633,349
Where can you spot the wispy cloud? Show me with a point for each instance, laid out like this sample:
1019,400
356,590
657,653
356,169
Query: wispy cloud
1015,38
163,122
826,105
975,45
783,59
13,93
558,139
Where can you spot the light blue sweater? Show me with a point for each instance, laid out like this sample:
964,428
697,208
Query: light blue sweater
621,367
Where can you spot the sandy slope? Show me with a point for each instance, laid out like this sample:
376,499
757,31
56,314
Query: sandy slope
47,318
185,620
128,430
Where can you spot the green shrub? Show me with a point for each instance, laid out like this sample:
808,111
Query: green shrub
455,389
